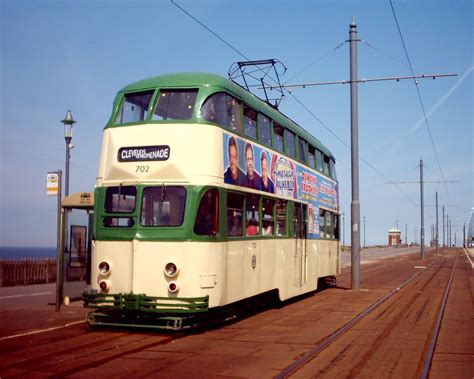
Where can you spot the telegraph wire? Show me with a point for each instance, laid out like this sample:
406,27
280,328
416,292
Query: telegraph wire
381,52
210,30
316,61
419,95
295,98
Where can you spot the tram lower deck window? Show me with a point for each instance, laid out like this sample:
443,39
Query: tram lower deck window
163,206
120,199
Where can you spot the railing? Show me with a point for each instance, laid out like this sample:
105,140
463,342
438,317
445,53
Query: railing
22,272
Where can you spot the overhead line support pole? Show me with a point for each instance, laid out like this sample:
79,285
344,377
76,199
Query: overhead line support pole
437,228
422,230
355,204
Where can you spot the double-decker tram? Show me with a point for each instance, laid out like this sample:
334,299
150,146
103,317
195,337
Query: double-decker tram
205,196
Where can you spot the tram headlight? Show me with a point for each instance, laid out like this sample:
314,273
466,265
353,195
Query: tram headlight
104,268
171,269
173,287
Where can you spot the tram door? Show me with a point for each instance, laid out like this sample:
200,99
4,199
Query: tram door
299,232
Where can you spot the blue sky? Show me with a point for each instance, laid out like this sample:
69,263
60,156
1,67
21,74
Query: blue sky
60,55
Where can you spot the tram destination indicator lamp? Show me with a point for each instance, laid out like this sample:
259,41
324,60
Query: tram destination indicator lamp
68,123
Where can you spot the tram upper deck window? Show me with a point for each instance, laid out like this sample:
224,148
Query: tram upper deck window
120,199
223,109
289,143
302,149
326,165
332,168
265,130
176,104
163,206
278,137
250,122
319,161
311,156
134,107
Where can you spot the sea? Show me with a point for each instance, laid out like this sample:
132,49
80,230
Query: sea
27,252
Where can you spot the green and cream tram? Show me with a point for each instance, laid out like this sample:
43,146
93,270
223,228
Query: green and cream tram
205,196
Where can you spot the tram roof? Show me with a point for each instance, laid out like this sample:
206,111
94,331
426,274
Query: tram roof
217,83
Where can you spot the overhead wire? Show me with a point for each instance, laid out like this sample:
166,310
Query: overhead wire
419,97
294,97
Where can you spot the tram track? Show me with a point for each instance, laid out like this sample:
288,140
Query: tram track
304,361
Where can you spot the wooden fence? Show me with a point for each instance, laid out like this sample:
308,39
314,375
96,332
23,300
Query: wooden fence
20,272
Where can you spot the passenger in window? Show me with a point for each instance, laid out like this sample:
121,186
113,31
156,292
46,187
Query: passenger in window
267,227
234,225
233,174
267,184
252,227
252,180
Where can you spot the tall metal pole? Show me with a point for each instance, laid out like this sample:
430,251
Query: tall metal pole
464,235
68,155
355,204
422,229
364,230
406,234
59,270
437,226
343,230
444,241
450,237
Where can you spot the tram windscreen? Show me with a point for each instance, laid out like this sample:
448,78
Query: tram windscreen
175,105
120,199
134,107
163,206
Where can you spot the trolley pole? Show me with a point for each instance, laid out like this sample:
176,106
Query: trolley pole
422,230
355,203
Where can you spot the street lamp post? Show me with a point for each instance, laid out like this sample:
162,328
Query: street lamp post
68,126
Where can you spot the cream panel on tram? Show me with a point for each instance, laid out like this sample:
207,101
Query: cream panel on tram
188,162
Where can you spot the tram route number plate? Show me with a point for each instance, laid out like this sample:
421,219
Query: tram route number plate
143,153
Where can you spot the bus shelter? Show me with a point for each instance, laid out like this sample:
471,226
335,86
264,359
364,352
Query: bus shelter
76,249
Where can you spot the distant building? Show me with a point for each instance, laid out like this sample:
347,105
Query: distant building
394,237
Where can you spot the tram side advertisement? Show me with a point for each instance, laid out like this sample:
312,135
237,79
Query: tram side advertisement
248,165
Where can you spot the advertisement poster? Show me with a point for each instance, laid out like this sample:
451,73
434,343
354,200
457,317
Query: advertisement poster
247,165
